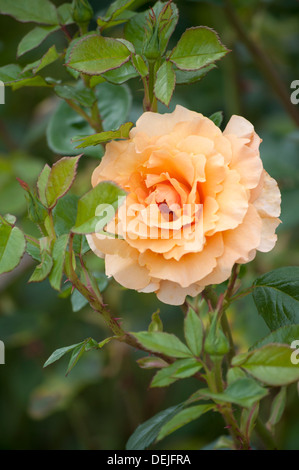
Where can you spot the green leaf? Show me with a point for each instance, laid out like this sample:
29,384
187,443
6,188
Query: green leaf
216,343
140,65
193,332
60,179
33,250
78,350
34,38
13,76
64,13
48,58
65,213
116,14
182,418
147,432
64,218
163,343
42,184
187,370
114,103
146,32
235,373
12,247
243,392
276,296
217,118
117,76
58,256
76,355
59,353
9,73
151,362
167,21
197,48
156,323
121,133
186,77
167,375
97,207
36,211
120,19
117,7
270,364
30,81
277,408
84,97
248,419
78,301
165,83
36,11
96,54
284,335
43,269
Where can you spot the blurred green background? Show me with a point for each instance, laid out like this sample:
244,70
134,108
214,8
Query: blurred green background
106,395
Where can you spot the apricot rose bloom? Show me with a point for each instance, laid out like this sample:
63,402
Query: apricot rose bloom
198,201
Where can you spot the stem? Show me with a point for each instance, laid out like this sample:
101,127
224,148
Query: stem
240,441
265,435
242,294
51,224
213,379
266,66
150,101
96,118
228,334
66,33
210,297
82,113
218,373
232,282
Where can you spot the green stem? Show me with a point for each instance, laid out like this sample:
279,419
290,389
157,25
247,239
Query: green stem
228,334
96,117
81,112
150,101
214,381
218,373
51,224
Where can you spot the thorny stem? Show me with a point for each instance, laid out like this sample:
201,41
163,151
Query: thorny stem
225,409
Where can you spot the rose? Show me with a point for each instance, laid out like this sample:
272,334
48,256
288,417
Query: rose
179,160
